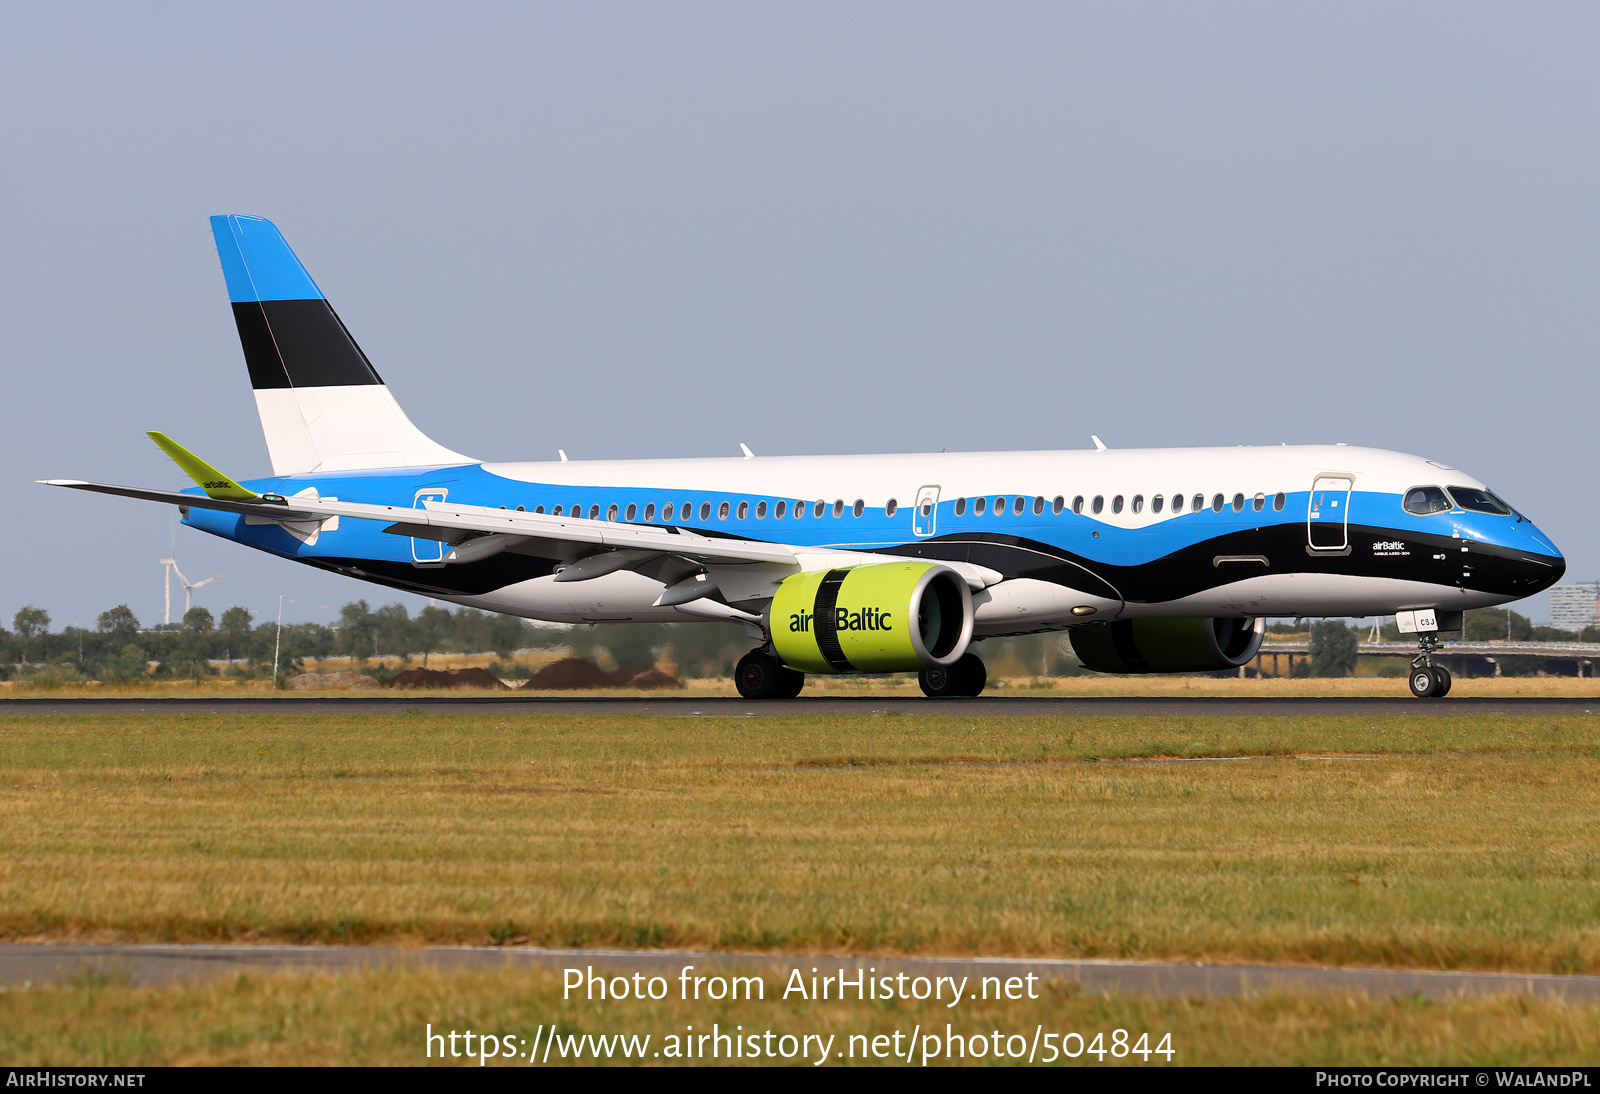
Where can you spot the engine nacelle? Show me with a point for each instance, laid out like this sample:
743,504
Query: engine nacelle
881,617
1167,645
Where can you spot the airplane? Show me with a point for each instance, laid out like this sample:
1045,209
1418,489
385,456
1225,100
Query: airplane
1152,560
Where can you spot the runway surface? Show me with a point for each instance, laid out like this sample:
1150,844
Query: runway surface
28,965
684,707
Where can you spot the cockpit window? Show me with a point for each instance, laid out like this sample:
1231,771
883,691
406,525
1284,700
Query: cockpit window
1474,500
1426,500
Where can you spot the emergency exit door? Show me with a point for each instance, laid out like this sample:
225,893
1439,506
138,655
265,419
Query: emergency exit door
925,515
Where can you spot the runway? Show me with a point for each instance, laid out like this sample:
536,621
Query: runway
23,965
1019,706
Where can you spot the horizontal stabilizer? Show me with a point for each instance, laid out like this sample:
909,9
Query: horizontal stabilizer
259,508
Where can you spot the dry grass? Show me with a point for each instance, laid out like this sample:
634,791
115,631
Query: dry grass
1455,843
378,1018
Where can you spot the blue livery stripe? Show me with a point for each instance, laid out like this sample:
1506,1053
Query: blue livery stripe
257,262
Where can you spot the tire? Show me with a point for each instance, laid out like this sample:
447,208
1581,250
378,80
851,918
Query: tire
964,679
1423,682
789,683
939,683
973,674
759,676
1444,681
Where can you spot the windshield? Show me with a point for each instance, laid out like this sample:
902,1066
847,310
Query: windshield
1474,500
1426,500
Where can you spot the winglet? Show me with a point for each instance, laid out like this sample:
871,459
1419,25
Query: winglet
208,478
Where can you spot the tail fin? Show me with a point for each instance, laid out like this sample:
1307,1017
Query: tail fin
322,405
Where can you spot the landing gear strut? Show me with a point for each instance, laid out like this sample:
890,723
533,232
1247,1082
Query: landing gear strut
759,675
964,679
1427,680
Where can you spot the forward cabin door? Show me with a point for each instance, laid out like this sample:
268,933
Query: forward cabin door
1328,515
426,552
925,514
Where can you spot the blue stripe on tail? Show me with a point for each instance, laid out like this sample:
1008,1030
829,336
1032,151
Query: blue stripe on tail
257,262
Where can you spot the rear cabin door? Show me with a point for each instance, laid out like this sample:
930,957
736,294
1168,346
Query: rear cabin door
925,515
1328,514
428,551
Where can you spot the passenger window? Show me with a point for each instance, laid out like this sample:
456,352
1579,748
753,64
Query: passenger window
961,506
1198,504
1277,502
979,506
1077,504
1156,503
520,508
650,512
1116,504
705,510
891,507
1099,503
1138,503
927,509
761,510
556,511
1000,507
1259,502
722,511
1177,503
858,508
1423,501
538,509
1058,504
1217,502
633,511
818,509
1238,503
1018,505
779,510
744,509
611,511
666,511
1038,506
594,512
838,508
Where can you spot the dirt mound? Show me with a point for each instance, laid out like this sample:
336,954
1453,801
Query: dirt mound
323,681
646,679
452,678
569,674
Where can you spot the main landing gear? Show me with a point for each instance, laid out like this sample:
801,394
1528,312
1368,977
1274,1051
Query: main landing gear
760,676
1427,680
964,679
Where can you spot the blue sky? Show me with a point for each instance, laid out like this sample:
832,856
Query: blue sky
633,230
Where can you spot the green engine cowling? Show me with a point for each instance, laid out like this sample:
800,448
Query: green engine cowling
1167,645
881,617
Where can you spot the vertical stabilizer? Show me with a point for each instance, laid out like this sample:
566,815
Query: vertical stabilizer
322,405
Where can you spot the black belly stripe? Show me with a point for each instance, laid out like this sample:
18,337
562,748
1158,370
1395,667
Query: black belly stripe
825,621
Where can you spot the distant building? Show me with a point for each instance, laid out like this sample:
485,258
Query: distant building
1574,607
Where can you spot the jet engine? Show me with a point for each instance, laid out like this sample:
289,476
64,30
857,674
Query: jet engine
1167,645
881,617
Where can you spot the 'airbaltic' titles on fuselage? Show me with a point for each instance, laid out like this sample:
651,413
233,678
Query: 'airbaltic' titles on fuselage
867,619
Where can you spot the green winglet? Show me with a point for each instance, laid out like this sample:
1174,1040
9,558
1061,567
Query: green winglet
208,478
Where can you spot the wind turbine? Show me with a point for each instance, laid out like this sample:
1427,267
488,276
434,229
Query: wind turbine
189,587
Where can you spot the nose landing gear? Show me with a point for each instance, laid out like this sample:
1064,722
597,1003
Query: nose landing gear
1427,680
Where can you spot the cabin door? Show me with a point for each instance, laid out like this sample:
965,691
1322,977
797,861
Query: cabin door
1328,513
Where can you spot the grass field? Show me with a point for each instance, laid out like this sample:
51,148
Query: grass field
1427,841
383,1018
